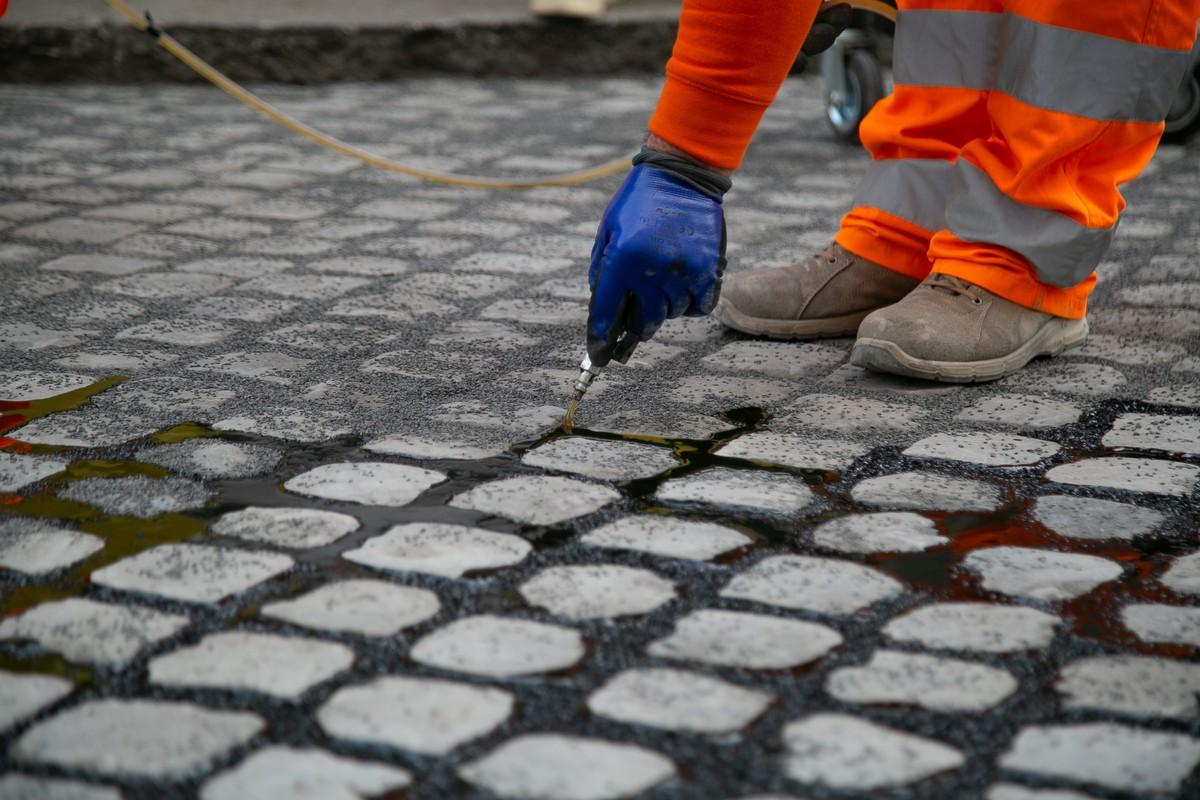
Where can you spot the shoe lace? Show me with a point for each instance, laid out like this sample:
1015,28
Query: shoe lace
949,284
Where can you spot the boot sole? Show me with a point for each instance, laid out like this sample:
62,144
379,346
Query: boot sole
828,327
879,355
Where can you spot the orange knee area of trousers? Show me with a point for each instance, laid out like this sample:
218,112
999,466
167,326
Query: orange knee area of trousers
1062,162
1007,274
925,122
887,240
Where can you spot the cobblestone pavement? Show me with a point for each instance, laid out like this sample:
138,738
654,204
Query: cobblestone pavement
285,512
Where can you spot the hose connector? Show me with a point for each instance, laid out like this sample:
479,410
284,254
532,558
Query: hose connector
588,373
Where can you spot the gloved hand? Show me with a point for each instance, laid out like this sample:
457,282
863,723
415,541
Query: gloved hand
659,253
829,24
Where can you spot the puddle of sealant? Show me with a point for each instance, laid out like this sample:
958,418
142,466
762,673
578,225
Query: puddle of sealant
933,572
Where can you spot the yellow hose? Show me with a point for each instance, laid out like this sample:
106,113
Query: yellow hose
252,100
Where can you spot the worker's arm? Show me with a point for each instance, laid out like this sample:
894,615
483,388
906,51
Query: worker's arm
660,248
729,61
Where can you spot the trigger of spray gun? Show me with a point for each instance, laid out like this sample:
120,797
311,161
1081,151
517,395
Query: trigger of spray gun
588,372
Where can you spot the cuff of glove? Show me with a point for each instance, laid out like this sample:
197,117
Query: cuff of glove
699,177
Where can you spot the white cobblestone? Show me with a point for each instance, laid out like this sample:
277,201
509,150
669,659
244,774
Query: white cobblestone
848,753
271,367
25,336
793,450
1040,574
1086,380
1183,395
603,460
499,646
1132,684
166,285
244,309
87,631
1128,350
882,532
849,414
369,607
182,332
976,627
1090,518
197,573
33,547
772,493
293,424
787,360
424,715
149,738
370,483
536,500
937,684
667,536
432,447
18,385
597,590
1183,575
750,641
22,696
287,773
18,471
989,449
1163,624
286,527
1021,411
709,392
1106,754
280,666
824,585
304,287
138,496
1131,474
567,768
208,458
439,548
676,425
931,491
678,700
1173,434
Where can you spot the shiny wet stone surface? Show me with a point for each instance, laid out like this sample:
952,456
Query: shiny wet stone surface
285,511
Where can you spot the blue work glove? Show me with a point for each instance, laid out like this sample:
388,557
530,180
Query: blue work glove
659,253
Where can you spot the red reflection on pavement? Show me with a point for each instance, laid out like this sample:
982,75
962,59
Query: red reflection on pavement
10,421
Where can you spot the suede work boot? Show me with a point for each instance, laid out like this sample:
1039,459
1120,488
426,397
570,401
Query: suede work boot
828,294
952,331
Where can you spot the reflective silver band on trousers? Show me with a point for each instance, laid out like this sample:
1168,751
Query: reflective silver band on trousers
1045,66
959,197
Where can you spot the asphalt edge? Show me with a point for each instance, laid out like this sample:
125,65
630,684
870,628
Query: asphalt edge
115,54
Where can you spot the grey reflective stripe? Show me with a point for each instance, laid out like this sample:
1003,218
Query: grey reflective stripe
1062,251
947,48
1098,77
913,189
1045,66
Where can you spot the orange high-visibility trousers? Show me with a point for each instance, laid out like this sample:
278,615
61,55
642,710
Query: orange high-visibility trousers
1012,124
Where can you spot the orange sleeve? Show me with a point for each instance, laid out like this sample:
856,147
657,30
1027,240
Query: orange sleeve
729,60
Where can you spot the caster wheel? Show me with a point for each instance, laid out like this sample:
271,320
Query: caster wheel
861,89
1183,120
